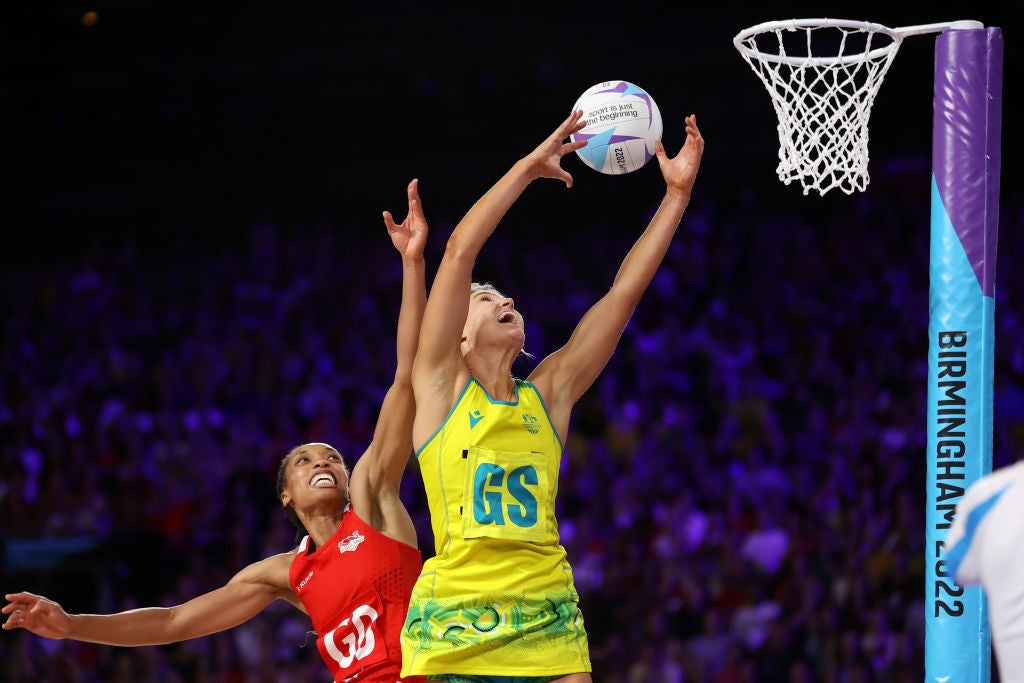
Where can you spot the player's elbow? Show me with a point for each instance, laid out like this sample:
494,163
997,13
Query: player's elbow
460,249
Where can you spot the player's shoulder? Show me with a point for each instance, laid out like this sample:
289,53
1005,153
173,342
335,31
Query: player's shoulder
273,570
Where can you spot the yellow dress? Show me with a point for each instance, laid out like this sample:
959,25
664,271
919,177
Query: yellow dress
498,597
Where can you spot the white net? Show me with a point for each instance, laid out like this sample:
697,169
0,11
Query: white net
822,75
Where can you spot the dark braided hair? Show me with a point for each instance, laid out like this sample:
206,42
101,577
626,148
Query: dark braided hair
289,511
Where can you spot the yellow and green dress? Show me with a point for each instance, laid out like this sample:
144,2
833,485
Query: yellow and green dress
498,596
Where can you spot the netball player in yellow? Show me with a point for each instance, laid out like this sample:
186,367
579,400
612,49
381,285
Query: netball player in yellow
497,602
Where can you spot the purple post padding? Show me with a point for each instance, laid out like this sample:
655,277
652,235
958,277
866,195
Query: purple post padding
966,136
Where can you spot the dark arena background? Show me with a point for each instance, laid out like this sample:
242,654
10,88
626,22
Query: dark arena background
195,276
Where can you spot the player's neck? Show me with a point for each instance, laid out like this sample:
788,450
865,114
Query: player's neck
322,526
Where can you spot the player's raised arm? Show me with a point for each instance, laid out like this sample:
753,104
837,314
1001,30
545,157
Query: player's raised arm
439,358
377,475
563,376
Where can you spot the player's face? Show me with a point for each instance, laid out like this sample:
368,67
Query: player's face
316,472
493,318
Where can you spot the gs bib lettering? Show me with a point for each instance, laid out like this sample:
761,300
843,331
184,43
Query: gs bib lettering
506,495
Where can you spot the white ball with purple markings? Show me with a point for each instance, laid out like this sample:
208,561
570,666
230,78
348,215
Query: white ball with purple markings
623,122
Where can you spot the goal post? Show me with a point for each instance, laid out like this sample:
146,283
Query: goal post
966,134
823,76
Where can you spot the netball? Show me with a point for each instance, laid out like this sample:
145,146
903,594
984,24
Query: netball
623,123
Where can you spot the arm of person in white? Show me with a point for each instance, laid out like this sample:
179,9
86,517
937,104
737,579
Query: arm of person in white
963,541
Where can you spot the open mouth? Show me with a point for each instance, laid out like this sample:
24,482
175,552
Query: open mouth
323,480
506,317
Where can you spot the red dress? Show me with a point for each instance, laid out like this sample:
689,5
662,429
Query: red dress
356,590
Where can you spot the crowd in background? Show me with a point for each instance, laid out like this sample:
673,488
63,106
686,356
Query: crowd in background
743,494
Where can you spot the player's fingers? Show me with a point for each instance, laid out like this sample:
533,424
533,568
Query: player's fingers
691,126
573,146
15,602
572,124
15,620
415,203
21,596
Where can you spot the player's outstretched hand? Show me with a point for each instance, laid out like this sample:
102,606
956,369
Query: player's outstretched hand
409,236
680,171
37,614
546,160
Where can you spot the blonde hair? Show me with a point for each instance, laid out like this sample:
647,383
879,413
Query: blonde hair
485,287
